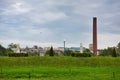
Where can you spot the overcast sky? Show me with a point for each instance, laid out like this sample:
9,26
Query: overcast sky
50,22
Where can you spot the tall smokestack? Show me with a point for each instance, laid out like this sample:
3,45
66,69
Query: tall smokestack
95,35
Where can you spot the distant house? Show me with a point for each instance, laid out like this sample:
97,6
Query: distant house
35,50
16,49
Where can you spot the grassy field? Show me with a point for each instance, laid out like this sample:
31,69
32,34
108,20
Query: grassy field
59,68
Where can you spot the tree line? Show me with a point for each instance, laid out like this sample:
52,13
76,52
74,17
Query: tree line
110,51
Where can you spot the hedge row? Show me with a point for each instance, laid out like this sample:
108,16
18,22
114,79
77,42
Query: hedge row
17,54
85,54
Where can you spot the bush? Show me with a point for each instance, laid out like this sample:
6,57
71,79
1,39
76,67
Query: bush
106,52
87,54
78,54
68,52
3,51
114,54
50,52
17,54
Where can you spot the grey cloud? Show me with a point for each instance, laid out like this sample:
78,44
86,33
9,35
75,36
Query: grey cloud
67,18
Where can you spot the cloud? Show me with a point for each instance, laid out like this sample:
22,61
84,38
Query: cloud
24,43
41,13
17,8
52,21
108,40
40,33
46,17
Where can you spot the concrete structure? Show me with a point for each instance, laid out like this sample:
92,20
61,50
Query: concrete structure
81,48
95,35
91,47
64,45
41,51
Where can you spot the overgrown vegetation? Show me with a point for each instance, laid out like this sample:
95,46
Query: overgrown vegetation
57,68
106,52
114,54
18,54
3,51
50,52
118,49
86,53
110,51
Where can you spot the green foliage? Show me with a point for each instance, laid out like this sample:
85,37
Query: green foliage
87,54
118,49
110,51
3,51
87,50
33,53
68,52
50,52
9,50
47,53
114,54
12,45
17,54
84,54
106,52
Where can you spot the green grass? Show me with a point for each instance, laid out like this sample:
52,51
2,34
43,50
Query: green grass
59,61
59,68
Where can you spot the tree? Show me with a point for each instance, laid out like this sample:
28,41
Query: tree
106,52
9,50
50,52
11,45
109,51
114,54
103,52
68,52
86,50
118,48
3,51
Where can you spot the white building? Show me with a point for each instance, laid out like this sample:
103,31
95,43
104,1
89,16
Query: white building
91,47
16,49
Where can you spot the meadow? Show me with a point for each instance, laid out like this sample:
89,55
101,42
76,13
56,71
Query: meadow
59,68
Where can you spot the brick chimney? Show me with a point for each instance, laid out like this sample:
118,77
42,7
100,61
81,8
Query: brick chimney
95,36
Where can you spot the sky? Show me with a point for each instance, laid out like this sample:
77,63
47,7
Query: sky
49,22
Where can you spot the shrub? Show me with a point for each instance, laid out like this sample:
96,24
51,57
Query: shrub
114,54
78,54
50,52
68,52
17,54
87,54
3,51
